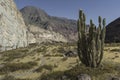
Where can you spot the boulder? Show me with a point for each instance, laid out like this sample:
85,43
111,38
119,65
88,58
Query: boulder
70,54
114,78
83,77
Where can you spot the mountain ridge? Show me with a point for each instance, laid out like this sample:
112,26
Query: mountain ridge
64,26
38,17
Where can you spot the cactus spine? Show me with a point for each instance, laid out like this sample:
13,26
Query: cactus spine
90,41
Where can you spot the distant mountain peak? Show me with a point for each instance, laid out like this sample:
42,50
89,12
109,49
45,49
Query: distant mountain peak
33,9
38,17
34,15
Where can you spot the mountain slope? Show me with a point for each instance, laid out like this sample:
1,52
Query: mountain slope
113,31
12,26
39,35
38,17
33,15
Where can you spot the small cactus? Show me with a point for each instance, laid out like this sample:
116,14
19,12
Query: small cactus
90,43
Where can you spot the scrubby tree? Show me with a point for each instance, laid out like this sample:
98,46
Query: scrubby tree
90,41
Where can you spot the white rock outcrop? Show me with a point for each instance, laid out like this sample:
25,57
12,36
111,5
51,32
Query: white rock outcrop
12,26
38,35
14,33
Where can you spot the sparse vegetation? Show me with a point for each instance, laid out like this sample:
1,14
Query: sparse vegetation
115,50
47,67
96,73
41,49
64,58
112,45
55,66
61,50
9,77
11,67
14,54
53,55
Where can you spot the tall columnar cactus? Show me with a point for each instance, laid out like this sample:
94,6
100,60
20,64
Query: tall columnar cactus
90,41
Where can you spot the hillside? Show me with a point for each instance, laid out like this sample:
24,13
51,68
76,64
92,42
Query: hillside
113,31
38,17
47,62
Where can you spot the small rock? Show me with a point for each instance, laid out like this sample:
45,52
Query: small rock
115,78
83,77
64,78
70,54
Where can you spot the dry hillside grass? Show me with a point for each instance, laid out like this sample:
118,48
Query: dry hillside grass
46,60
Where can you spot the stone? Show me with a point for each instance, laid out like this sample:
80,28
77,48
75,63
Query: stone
83,77
64,77
115,78
70,54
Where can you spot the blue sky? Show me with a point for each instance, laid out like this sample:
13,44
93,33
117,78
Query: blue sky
109,9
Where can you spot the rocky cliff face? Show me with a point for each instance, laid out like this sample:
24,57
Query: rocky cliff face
38,17
12,27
